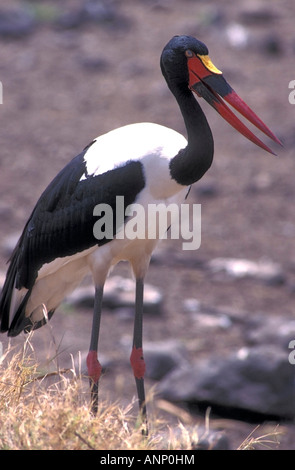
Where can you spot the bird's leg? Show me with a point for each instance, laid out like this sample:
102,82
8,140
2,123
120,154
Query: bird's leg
93,366
136,358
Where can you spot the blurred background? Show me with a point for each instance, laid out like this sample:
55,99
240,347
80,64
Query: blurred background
73,70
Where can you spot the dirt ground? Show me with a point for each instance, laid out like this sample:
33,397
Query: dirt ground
64,86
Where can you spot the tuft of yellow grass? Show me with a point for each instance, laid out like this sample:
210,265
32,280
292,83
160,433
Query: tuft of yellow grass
36,414
40,411
268,440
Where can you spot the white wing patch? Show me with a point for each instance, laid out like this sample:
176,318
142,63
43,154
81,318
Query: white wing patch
132,142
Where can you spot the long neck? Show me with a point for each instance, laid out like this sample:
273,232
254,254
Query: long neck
191,163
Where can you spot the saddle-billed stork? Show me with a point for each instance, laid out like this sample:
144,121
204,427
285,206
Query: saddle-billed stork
145,163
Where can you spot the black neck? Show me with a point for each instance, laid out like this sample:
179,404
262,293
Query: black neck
191,163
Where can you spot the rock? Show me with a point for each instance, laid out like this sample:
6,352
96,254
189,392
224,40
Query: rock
100,12
274,331
211,440
255,14
97,64
272,44
192,305
70,20
16,23
262,270
197,438
258,379
82,297
237,35
163,356
259,183
119,293
205,316
207,190
125,313
207,321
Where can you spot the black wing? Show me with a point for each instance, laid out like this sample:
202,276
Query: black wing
62,221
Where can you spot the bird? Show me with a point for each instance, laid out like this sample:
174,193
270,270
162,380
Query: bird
142,163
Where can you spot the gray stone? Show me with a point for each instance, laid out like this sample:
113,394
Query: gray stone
273,331
82,297
16,23
208,190
263,270
257,14
163,356
258,379
237,35
206,317
100,12
119,293
198,438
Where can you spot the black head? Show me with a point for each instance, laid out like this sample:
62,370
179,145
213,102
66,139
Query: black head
174,60
187,67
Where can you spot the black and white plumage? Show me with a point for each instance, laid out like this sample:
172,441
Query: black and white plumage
58,248
145,163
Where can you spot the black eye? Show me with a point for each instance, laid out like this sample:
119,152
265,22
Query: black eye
189,54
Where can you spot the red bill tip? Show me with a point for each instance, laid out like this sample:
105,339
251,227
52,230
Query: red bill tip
236,102
232,119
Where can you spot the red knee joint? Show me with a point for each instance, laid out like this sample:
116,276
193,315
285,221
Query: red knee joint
93,366
137,362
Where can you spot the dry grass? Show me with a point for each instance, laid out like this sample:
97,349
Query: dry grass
268,440
41,414
51,412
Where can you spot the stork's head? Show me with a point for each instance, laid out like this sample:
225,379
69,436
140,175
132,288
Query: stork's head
186,59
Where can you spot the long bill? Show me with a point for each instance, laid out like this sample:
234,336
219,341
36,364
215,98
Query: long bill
208,82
